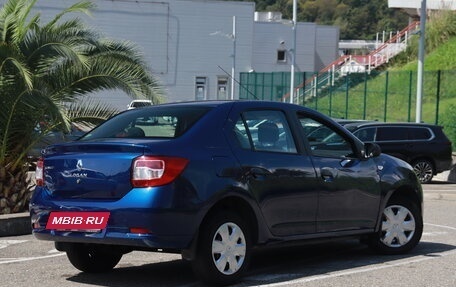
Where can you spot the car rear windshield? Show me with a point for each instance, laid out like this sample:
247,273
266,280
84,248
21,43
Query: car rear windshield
155,122
141,104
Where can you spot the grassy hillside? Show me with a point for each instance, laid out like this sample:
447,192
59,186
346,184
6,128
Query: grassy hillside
442,58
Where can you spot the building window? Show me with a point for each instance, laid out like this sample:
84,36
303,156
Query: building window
281,56
200,88
222,88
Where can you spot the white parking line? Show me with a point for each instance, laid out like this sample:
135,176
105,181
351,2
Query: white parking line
441,226
355,271
371,268
9,242
430,234
6,243
23,259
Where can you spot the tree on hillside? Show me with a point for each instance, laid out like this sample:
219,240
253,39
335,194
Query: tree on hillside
44,70
357,19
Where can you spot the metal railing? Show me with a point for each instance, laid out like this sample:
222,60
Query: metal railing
346,64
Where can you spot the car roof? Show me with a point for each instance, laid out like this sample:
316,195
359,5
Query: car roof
352,121
358,125
239,103
209,103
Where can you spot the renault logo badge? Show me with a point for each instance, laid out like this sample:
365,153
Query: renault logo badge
79,165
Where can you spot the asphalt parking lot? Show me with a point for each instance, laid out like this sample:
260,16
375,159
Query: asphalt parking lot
25,261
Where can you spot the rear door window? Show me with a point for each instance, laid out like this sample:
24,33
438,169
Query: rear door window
141,104
392,134
264,130
420,134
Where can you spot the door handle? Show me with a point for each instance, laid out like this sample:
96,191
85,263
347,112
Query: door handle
327,174
259,173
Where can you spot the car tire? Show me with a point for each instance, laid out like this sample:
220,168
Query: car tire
401,228
92,258
424,170
223,252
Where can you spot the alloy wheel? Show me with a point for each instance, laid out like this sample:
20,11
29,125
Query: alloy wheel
424,171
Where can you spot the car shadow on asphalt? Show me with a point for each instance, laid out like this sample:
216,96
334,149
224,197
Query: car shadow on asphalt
168,273
268,265
317,260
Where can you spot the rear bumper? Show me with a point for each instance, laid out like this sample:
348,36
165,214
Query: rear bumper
130,240
168,227
443,165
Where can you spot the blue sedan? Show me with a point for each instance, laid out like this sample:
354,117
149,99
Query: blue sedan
211,180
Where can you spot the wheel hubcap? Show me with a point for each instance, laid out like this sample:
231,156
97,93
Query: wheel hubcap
424,171
228,248
398,226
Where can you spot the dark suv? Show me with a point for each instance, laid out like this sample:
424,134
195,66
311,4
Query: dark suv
424,146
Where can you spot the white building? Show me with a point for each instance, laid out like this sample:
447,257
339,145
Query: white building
189,45
412,7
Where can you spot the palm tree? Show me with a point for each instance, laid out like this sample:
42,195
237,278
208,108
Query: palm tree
46,71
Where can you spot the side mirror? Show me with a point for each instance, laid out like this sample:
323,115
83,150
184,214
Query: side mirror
372,150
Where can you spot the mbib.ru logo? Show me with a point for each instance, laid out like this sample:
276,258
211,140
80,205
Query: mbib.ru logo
77,220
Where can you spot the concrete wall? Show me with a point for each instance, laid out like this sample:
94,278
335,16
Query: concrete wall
327,37
270,37
200,36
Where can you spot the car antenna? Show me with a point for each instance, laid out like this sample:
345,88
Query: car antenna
240,85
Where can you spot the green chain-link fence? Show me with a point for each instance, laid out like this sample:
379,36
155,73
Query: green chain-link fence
385,96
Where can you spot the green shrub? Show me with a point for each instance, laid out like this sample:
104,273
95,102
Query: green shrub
448,121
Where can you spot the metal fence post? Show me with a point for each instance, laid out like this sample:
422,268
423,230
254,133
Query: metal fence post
437,98
271,94
316,91
365,96
303,95
262,87
346,95
410,96
386,96
330,95
316,95
255,83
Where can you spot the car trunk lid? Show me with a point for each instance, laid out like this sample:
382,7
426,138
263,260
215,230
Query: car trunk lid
90,170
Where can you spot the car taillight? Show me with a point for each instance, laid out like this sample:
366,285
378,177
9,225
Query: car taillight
39,172
149,171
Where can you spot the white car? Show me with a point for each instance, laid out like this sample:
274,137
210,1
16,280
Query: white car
139,104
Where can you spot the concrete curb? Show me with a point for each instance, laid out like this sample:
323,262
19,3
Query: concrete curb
15,224
447,176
